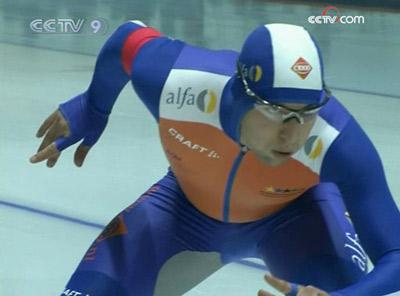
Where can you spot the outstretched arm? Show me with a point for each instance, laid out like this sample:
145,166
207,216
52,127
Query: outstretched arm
114,64
85,116
354,165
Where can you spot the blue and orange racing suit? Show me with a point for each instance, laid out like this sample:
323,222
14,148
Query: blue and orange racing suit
215,186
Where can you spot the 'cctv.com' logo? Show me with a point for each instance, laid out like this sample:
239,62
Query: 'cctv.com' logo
68,26
331,15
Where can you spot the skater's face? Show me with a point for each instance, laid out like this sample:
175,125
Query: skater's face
272,141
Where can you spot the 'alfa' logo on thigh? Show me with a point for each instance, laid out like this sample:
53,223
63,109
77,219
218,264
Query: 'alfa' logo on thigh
359,256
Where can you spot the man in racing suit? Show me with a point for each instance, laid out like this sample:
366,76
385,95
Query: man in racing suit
264,162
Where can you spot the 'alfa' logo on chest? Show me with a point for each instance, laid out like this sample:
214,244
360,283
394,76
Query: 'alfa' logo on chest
205,100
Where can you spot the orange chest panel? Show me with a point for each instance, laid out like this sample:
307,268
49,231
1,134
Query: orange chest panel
203,157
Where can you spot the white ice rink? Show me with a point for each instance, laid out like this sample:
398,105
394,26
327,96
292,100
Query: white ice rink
49,217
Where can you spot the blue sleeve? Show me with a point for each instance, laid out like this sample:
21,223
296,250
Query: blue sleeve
151,68
137,53
87,113
354,165
109,77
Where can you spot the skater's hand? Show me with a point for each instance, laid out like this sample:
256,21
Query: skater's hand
287,288
54,127
74,121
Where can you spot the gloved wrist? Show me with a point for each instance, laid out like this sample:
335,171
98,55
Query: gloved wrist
84,122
